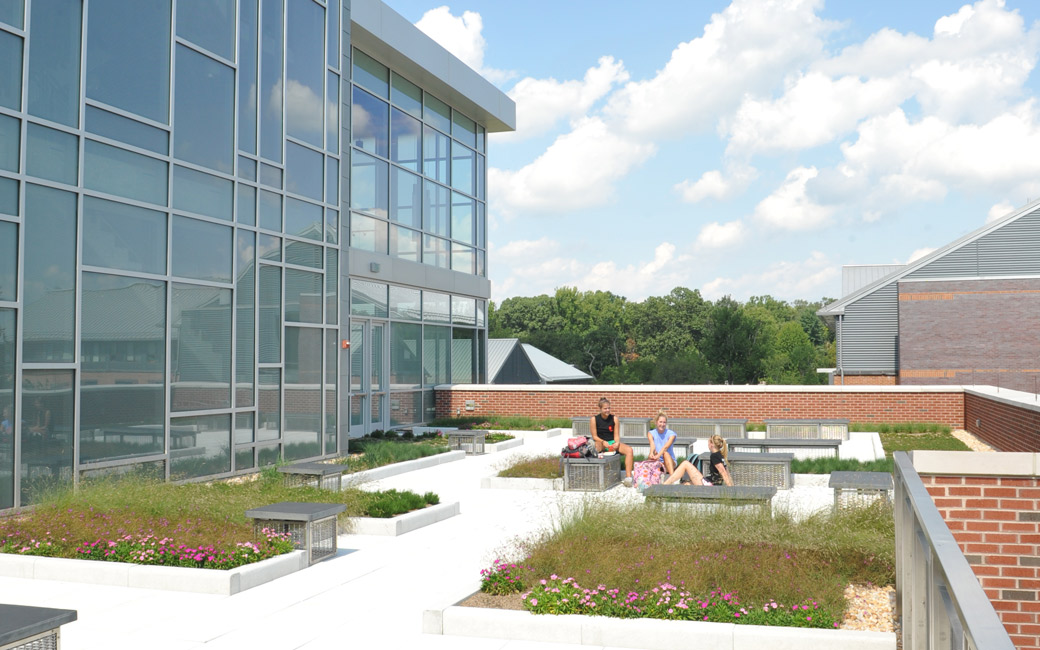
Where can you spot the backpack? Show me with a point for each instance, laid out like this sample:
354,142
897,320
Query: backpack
579,447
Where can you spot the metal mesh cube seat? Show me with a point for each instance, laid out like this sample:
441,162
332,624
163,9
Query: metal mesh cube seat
802,449
326,476
860,489
755,469
808,429
310,526
591,474
32,628
472,442
580,427
634,426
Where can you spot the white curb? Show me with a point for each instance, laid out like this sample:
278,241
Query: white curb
405,523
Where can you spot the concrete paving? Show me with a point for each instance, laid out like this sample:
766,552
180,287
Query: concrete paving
372,594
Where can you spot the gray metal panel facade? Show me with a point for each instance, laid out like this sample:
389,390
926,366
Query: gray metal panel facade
517,369
857,276
1013,249
959,263
870,333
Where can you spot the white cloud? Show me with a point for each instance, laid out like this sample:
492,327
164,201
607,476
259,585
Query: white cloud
725,235
999,210
918,254
712,184
790,208
521,250
462,36
814,276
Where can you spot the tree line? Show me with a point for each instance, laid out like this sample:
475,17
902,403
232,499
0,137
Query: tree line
679,338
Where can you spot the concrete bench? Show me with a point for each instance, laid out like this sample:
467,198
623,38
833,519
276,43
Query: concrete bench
800,448
641,445
32,627
808,429
706,428
755,469
859,489
591,474
580,427
327,476
472,442
311,526
739,495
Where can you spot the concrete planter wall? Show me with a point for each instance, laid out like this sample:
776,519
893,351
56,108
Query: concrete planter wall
502,483
387,471
405,523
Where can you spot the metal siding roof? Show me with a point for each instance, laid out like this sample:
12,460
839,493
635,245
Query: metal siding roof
550,368
855,276
498,351
1012,250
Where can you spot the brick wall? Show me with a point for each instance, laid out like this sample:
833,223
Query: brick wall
754,403
996,522
865,380
1006,426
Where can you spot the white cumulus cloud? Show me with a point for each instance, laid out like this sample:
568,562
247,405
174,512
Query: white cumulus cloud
790,208
717,235
815,276
999,210
462,36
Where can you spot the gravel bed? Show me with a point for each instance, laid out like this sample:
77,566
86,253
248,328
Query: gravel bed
971,440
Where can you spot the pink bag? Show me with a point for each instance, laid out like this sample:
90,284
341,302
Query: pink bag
648,472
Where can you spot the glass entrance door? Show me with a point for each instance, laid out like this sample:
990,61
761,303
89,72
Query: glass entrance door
368,361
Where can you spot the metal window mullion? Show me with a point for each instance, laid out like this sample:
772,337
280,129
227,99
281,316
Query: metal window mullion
115,109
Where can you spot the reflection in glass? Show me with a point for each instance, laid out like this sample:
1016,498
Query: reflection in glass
120,236
270,175
245,318
462,218
436,307
268,455
244,434
463,356
303,169
480,138
204,111
480,223
54,61
49,297
8,340
303,219
11,136
435,252
463,310
462,168
10,70
481,308
124,173
331,180
367,299
369,122
128,56
270,210
357,361
269,411
47,432
303,297
331,286
405,356
245,456
436,354
405,303
461,258
367,234
270,314
464,129
132,132
331,379
8,261
270,247
370,74
200,446
200,348
481,264
331,226
247,49
247,168
368,184
304,71
270,98
51,154
8,196
480,177
435,154
406,95
245,211
405,198
12,12
333,29
123,359
201,193
376,382
332,112
429,405
303,389
210,24
405,243
437,113
303,254
201,250
405,408
405,140
436,208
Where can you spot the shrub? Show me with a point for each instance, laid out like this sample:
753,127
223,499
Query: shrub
503,578
408,435
431,498
390,503
492,438
828,465
377,434
377,453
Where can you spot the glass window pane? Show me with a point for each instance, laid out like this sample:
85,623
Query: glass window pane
481,307
12,12
405,198
405,356
461,258
481,264
120,236
332,113
369,123
305,71
9,196
270,314
201,193
244,433
8,261
270,175
481,139
201,250
10,136
124,173
436,354
304,169
270,210
331,286
123,361
7,359
47,432
331,226
128,56
247,68
303,254
245,323
368,184
405,303
464,129
50,275
267,454
10,69
204,111
405,408
132,132
463,356
435,154
436,307
200,446
303,386
270,248
269,411
405,140
405,243
370,74
437,113
210,24
367,234
51,154
54,61
480,177
303,219
436,208
200,348
244,456
333,29
480,223
331,180
367,299
406,95
331,380
271,43
463,310
462,175
247,168
435,252
245,211
462,217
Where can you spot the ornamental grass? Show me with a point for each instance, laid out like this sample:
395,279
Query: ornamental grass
549,466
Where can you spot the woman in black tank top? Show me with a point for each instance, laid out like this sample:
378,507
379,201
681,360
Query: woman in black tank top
605,429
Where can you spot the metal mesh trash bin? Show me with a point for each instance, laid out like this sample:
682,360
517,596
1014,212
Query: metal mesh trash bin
310,526
860,489
472,442
591,474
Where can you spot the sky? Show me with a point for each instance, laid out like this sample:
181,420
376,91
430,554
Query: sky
744,148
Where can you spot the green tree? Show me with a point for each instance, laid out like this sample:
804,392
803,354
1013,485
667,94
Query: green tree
733,343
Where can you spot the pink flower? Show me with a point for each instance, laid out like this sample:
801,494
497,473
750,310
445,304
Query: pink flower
534,601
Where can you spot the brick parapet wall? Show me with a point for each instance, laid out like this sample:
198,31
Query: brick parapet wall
1007,420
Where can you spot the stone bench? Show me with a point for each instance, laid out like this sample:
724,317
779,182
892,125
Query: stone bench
32,627
591,474
755,469
800,447
311,526
859,489
327,476
739,495
808,429
472,442
641,444
705,428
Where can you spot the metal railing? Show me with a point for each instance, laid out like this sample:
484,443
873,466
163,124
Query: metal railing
938,598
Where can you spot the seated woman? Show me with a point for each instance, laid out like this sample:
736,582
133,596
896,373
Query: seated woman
662,443
605,428
716,463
